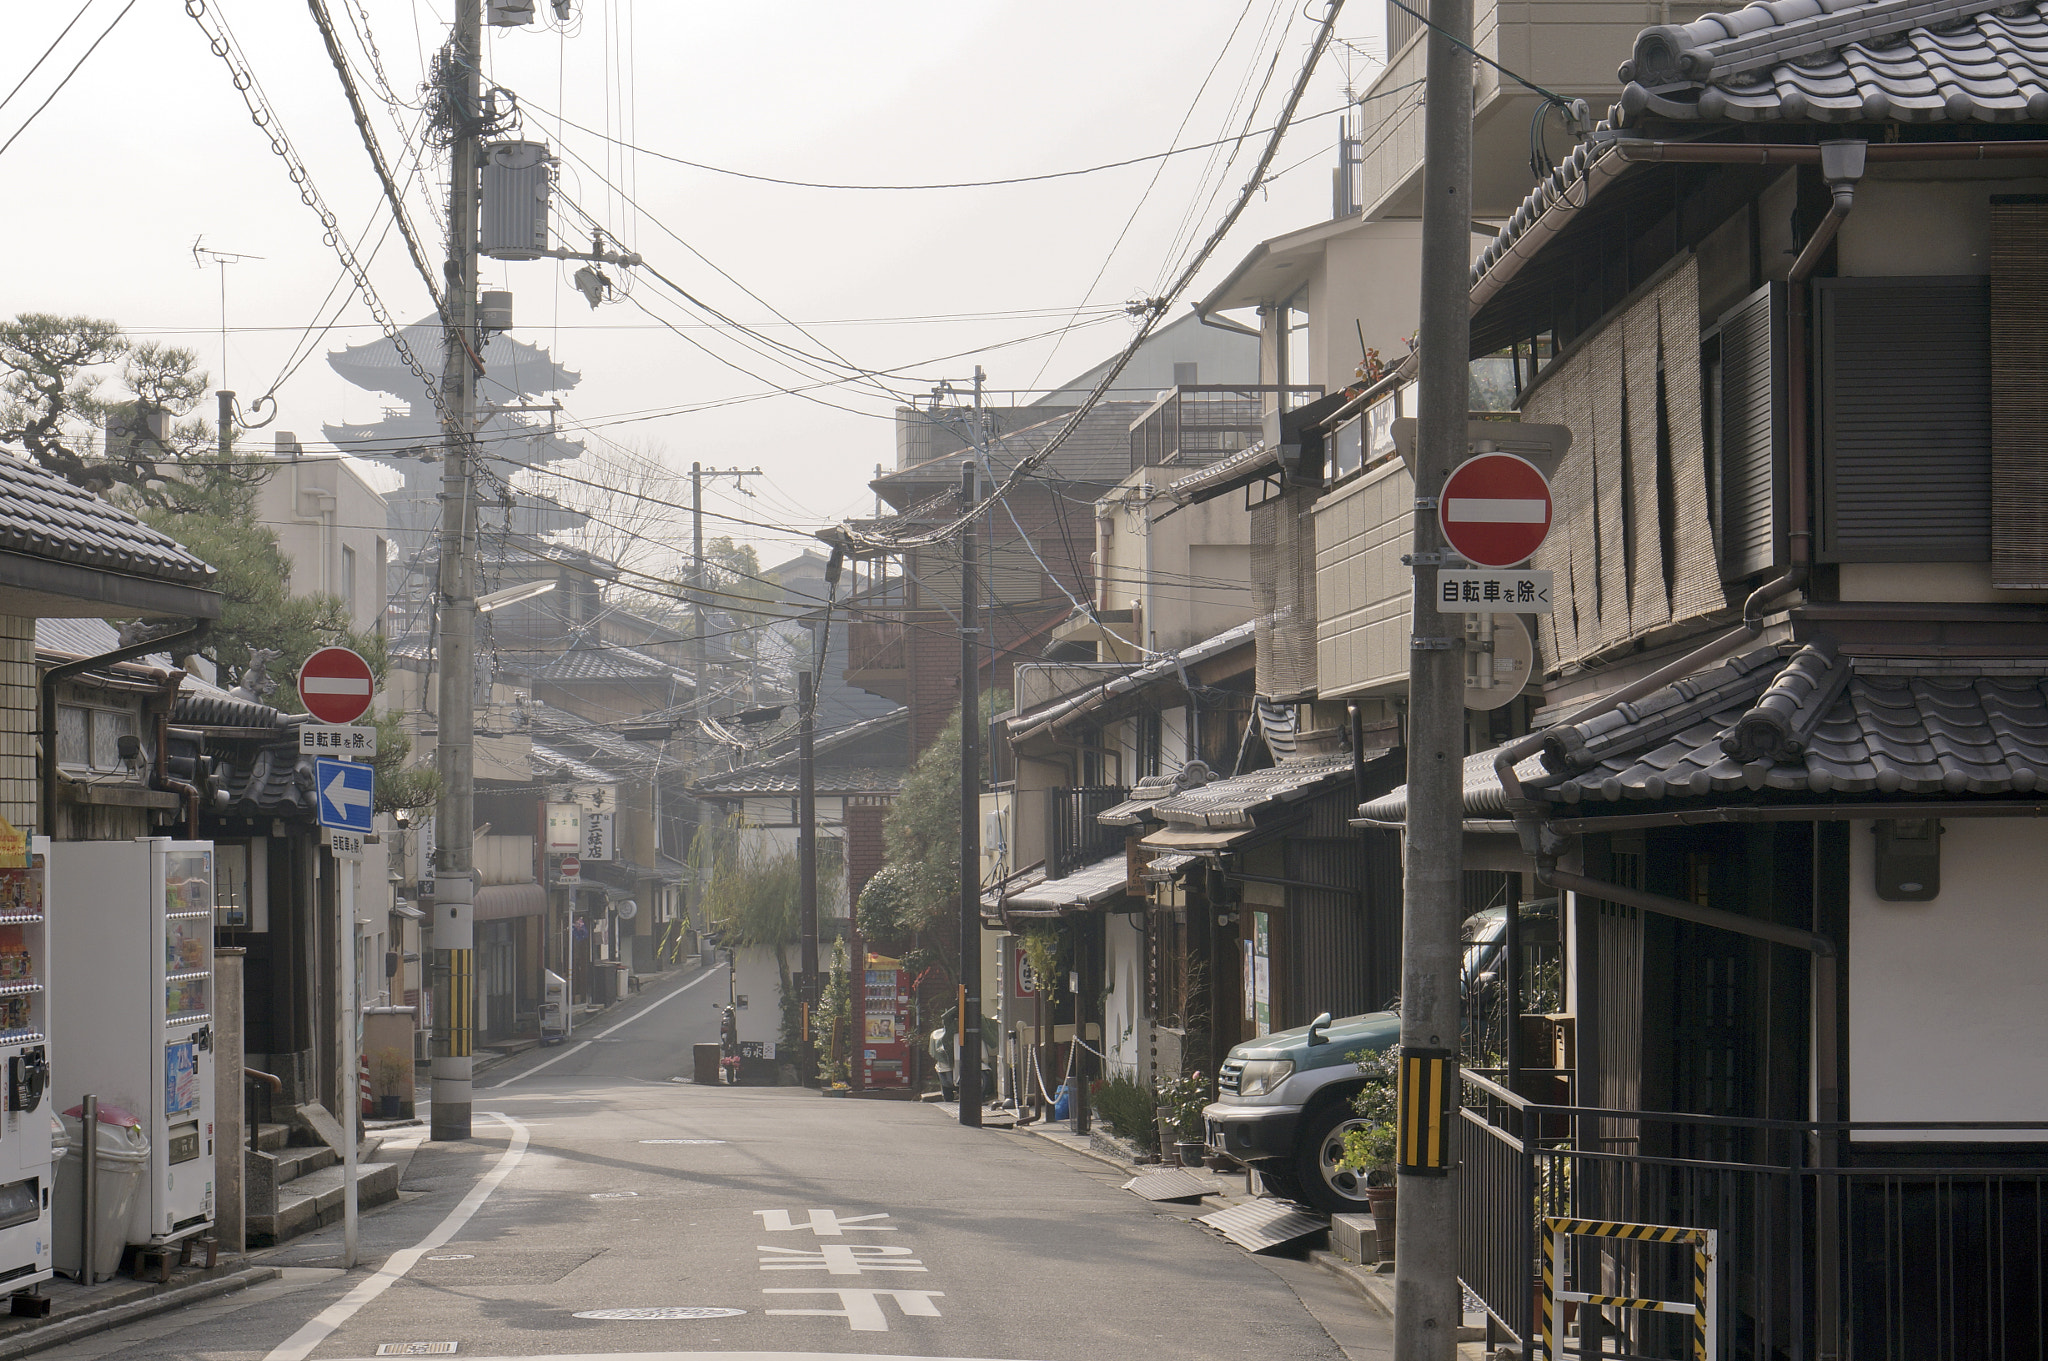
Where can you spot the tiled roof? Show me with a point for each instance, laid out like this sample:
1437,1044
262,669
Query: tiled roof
1170,667
586,663
276,782
1145,795
44,516
1822,724
88,638
828,780
606,748
1845,61
550,762
1105,879
1234,802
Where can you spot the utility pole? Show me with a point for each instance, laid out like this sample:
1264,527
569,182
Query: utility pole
967,1068
698,579
1426,1297
807,861
454,820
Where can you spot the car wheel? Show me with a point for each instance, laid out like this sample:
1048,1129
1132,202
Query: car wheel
1324,1185
1276,1180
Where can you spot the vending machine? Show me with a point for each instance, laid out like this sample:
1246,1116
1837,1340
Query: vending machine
886,1037
135,1024
24,1049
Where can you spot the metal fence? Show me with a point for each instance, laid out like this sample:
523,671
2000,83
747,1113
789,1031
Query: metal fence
1835,1240
1073,837
1198,423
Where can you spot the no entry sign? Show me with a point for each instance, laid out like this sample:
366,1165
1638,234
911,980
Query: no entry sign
335,685
1495,510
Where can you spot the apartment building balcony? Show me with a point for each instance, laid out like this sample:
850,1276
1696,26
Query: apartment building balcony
878,654
1073,836
1198,423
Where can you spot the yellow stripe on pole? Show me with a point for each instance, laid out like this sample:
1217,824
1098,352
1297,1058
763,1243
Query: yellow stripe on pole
1426,1079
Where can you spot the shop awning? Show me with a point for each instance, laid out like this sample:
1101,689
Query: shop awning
498,902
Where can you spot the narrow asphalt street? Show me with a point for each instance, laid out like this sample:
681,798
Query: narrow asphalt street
607,1209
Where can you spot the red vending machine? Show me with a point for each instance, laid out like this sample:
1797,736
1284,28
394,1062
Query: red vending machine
885,1026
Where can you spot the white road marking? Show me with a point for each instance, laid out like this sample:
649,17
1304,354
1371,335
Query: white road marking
862,1309
706,1356
300,1344
841,1259
823,1223
602,1033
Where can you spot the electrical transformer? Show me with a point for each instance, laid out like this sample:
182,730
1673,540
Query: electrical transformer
518,182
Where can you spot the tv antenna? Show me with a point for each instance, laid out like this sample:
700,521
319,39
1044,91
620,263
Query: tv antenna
203,255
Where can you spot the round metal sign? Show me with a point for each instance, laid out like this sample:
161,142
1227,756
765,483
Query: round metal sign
335,685
1498,658
1495,510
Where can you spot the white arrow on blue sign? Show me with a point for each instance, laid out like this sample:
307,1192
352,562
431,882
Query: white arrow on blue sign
347,791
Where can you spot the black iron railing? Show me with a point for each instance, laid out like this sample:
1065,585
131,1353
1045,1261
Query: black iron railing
1073,838
1834,1240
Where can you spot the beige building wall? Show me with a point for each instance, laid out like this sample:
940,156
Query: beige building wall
330,526
1362,588
1201,566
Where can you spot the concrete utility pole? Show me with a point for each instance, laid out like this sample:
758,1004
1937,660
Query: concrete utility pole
698,579
807,861
1426,1298
454,820
967,1069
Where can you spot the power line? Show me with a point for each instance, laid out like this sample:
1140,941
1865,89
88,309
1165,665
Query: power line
915,188
54,44
67,75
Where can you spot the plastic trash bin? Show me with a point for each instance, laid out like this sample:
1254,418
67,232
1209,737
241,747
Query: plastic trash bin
123,1163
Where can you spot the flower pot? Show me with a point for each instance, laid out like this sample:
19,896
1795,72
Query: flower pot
1190,1151
1380,1200
388,1107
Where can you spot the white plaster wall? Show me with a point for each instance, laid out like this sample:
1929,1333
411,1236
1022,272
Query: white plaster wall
1947,998
1126,1043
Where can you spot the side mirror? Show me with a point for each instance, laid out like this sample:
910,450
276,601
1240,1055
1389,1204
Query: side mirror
1317,1029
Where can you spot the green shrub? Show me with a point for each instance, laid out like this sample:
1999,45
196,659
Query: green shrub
1127,1107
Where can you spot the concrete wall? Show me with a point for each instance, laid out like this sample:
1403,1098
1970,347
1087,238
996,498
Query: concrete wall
1946,997
322,512
1362,589
1201,565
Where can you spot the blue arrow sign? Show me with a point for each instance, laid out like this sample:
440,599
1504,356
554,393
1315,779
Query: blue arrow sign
347,791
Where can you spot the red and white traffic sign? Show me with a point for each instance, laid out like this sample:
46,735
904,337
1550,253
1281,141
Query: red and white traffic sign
335,685
1495,510
571,870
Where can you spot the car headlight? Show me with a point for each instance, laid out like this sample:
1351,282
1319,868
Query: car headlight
1261,1076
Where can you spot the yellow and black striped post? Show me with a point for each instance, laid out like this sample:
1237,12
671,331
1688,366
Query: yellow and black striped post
1428,1079
454,1005
1705,1298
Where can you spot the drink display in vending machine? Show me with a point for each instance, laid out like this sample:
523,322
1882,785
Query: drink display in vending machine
137,1030
25,1163
885,1024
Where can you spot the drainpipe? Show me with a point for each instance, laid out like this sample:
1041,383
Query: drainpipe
1842,164
186,641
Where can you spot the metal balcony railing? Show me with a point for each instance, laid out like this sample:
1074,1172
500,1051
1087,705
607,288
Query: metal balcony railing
1198,423
1073,838
1829,1245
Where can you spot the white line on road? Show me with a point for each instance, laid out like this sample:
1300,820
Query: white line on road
602,1033
707,1356
300,1345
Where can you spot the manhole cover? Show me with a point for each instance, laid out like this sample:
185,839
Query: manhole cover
666,1312
452,1257
415,1349
682,1141
613,1195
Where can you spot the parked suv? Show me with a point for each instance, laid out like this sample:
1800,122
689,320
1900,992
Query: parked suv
1284,1102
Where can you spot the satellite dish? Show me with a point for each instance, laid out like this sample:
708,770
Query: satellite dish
1499,658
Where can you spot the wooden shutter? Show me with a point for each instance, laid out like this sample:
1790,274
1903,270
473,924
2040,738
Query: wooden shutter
1904,417
1751,427
2019,393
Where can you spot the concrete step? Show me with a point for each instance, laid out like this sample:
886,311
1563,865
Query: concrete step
313,1201
298,1160
271,1138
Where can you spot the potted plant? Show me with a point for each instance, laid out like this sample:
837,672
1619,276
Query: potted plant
393,1068
1180,1108
1370,1145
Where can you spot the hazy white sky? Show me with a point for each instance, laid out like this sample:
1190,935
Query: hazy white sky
149,148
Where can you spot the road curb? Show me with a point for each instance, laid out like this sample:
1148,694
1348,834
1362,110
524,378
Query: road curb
116,1315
